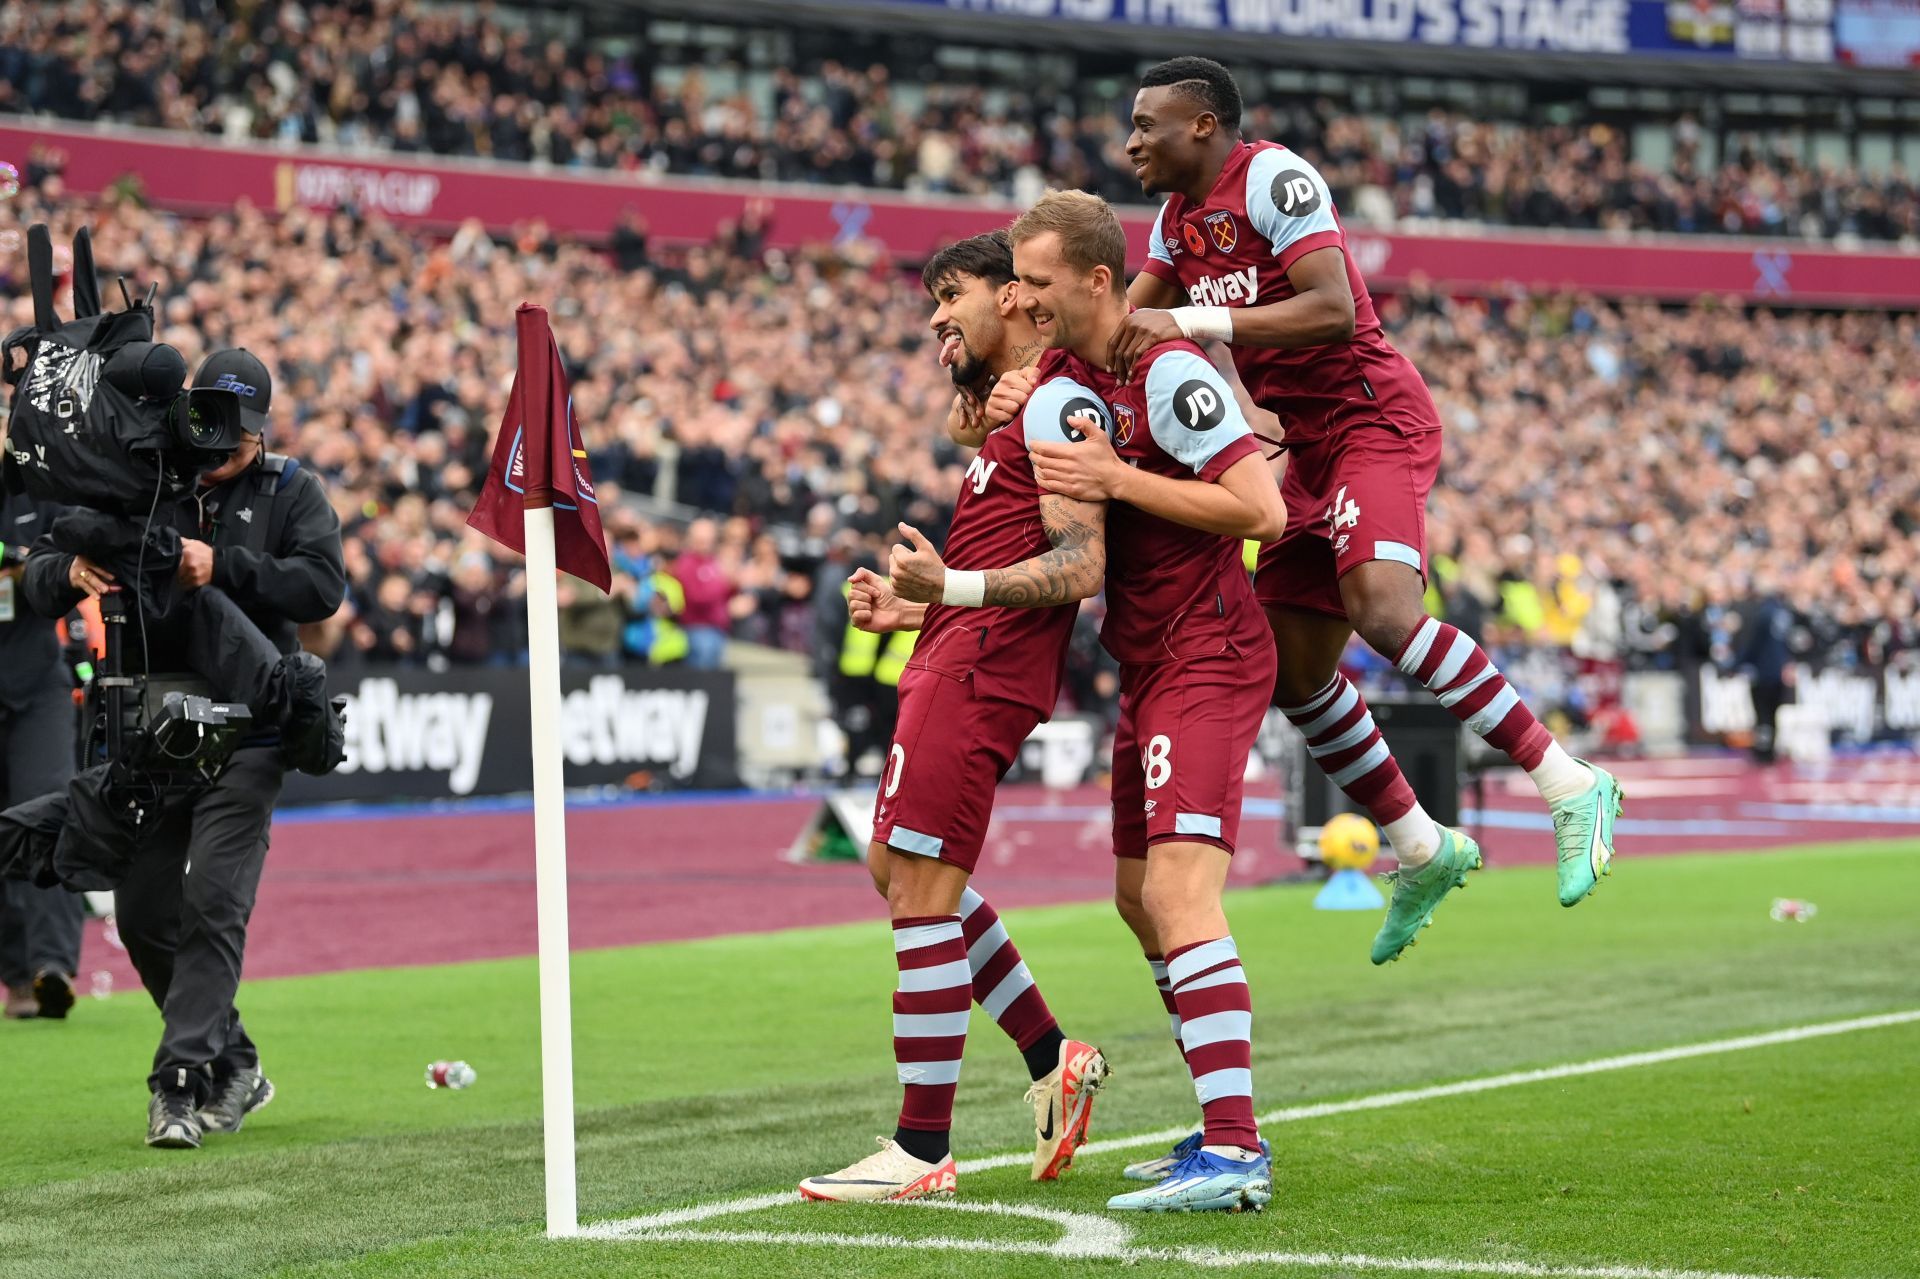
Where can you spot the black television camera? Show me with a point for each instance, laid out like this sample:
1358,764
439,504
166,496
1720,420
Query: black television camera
102,423
144,739
101,418
165,734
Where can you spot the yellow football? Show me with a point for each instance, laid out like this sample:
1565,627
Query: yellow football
1349,842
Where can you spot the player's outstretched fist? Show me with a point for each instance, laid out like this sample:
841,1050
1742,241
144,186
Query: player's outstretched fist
1011,391
918,572
873,606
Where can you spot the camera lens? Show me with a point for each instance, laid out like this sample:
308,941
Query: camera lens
199,429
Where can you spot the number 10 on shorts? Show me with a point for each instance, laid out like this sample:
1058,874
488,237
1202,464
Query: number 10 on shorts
1156,760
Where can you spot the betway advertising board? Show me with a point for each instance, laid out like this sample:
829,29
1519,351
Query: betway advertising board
440,194
1861,704
414,734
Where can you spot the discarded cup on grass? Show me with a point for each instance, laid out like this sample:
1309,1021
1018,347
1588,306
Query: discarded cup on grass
1791,910
450,1074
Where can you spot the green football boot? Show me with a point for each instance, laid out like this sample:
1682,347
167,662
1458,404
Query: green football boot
1416,892
1583,828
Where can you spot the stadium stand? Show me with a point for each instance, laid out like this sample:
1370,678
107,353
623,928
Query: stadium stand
1620,477
522,85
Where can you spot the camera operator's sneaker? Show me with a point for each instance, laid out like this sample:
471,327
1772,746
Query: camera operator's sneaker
889,1174
21,1005
1062,1104
244,1092
173,1118
54,990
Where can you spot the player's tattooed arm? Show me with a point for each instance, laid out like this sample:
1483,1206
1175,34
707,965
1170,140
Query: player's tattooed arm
1072,570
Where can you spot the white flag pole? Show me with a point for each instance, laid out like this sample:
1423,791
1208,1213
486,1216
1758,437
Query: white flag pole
550,871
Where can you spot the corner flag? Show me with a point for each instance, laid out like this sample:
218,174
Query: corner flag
538,499
539,460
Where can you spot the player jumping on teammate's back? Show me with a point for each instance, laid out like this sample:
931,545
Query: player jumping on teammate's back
1196,658
978,682
1248,250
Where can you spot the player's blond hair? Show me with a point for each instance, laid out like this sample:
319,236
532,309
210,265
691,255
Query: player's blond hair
1090,234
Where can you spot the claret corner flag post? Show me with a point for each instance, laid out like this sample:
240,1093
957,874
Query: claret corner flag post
538,499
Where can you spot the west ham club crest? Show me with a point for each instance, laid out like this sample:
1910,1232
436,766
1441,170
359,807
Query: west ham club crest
1221,225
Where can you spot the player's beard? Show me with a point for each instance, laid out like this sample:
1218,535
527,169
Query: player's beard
970,371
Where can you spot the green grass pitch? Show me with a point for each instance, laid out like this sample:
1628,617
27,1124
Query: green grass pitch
729,1068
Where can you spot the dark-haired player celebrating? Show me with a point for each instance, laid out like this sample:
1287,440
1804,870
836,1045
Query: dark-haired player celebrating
1196,663
979,681
1248,250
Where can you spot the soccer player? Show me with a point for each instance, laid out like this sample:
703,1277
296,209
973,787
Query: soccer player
1195,653
978,682
1248,250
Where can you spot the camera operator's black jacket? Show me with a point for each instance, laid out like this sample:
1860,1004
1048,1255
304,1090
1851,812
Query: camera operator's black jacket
276,553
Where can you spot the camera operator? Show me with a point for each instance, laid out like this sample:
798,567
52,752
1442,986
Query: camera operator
39,927
260,528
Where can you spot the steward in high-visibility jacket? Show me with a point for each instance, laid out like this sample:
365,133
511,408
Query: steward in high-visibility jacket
669,643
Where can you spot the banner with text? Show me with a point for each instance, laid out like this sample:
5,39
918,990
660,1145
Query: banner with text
1861,705
442,194
414,734
1766,30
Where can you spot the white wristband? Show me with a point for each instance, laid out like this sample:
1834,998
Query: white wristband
964,588
1204,323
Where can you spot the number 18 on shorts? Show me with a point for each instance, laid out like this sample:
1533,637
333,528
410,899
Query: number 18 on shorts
1180,752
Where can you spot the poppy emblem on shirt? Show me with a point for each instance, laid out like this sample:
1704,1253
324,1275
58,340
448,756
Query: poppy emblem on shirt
1196,243
1122,424
1221,225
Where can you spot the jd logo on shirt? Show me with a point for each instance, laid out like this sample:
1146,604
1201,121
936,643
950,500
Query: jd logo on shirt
1294,194
1079,416
1198,405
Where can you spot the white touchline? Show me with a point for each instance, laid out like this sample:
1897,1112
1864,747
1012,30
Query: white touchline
1210,1257
1085,1236
1378,1101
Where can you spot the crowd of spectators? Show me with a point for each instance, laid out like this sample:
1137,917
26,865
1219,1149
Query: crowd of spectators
1623,481
407,77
